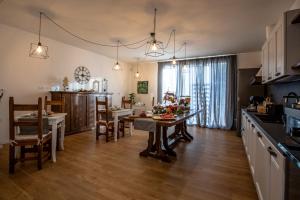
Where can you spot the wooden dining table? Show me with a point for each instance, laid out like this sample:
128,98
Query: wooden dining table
154,147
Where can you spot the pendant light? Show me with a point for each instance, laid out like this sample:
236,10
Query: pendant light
185,67
174,58
137,73
38,50
117,66
154,48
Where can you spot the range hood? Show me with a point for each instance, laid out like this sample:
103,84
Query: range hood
257,78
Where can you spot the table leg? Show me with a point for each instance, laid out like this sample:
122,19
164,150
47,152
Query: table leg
159,152
116,127
166,142
130,128
147,151
62,135
54,141
186,132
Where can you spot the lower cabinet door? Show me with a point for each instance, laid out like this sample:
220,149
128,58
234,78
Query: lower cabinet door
277,169
262,165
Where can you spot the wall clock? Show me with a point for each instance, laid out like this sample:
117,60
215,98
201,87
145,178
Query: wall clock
82,75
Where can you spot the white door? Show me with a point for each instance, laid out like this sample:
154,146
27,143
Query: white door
262,165
265,63
280,69
277,171
272,57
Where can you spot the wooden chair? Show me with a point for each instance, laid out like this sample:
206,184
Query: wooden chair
126,104
34,141
103,118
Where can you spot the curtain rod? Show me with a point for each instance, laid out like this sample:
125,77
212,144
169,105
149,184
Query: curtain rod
199,57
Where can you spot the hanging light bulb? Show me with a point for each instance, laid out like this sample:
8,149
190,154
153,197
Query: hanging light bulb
154,48
185,67
117,66
38,50
174,58
137,74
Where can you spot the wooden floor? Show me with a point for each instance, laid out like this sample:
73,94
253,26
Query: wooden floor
213,166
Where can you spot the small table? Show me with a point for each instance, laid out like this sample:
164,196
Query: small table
118,113
54,120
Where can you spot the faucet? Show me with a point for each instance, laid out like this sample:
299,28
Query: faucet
291,95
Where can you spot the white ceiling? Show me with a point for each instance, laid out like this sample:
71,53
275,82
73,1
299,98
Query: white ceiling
210,27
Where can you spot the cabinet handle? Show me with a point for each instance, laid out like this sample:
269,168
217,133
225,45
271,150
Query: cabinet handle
259,135
248,120
277,74
272,152
252,125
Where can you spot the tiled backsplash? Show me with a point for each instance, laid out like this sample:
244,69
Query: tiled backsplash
277,91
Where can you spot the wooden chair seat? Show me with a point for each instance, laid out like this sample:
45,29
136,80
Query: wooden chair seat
20,137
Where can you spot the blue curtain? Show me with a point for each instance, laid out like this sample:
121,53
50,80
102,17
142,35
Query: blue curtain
211,83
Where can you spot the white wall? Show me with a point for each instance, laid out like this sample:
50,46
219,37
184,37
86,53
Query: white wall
249,60
27,78
148,72
296,5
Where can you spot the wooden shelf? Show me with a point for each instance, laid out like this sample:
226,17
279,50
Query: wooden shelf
296,20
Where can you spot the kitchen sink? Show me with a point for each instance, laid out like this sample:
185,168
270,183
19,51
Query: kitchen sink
265,118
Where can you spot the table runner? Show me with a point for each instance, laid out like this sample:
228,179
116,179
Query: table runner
145,124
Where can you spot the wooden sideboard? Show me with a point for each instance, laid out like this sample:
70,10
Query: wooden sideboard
80,108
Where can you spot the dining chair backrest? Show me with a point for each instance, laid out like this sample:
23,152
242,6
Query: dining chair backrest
60,103
102,109
13,123
126,103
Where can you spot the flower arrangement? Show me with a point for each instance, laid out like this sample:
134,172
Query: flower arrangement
170,97
185,103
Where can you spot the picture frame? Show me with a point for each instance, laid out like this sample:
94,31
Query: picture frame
142,87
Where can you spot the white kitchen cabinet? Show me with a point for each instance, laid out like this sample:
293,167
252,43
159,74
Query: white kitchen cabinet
273,60
267,164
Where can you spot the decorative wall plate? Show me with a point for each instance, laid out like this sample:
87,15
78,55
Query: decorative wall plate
82,75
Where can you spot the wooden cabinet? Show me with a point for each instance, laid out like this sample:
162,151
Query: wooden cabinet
80,109
267,164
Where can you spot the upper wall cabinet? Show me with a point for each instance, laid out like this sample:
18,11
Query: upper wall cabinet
280,53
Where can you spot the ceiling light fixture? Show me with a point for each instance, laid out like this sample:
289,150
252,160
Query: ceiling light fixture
38,50
174,58
117,66
154,48
185,67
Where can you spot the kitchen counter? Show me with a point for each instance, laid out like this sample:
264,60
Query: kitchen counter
277,135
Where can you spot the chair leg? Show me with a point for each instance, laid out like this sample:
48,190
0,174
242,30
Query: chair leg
39,156
50,149
11,159
97,132
22,157
107,134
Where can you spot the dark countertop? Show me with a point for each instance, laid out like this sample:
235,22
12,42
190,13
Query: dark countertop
277,135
